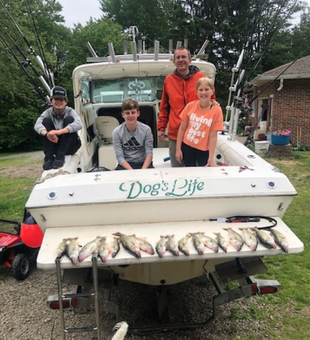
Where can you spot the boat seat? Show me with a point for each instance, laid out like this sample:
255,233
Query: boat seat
105,126
106,155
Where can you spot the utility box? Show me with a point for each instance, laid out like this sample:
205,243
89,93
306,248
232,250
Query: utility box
261,146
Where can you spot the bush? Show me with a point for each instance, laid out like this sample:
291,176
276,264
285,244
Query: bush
16,130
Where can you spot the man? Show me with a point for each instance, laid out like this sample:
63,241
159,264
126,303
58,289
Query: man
58,125
179,89
132,140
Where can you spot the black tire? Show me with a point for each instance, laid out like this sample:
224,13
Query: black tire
21,266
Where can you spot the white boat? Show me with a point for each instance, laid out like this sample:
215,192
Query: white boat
86,198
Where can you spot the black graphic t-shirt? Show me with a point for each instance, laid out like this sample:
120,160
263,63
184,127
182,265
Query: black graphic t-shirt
132,146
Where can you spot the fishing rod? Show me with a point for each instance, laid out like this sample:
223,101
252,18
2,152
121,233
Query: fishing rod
26,62
46,69
272,37
238,101
250,136
31,50
32,81
251,133
232,106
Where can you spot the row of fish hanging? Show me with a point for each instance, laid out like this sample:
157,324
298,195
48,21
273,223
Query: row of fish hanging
99,247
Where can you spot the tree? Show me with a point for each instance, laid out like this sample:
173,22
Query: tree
98,33
152,17
300,36
234,25
229,26
19,70
260,26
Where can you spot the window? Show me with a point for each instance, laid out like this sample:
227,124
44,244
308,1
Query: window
85,92
116,90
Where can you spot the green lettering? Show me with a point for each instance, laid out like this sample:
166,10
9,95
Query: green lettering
155,189
200,186
135,190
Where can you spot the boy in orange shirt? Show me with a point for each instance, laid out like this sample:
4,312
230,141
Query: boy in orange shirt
201,121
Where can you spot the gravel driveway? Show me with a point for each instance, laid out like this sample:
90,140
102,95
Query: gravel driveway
25,316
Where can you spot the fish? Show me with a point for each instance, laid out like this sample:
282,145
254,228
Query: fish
235,239
161,246
210,243
90,248
198,242
72,250
115,246
222,242
61,249
183,245
104,250
172,245
130,243
265,239
145,246
249,238
280,239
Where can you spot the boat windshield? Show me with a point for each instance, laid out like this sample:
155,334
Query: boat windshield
145,89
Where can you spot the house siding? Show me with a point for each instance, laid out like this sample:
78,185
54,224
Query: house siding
290,109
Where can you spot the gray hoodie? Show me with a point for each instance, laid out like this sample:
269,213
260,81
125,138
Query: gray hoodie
58,121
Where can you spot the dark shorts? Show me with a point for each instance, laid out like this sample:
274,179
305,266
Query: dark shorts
194,157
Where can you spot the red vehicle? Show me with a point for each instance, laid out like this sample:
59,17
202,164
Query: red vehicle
19,249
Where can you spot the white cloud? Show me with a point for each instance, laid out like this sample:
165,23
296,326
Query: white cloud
80,11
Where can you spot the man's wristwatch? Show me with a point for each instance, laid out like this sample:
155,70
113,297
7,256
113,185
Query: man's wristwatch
46,135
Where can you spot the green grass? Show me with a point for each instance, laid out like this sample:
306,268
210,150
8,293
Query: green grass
13,196
14,191
291,303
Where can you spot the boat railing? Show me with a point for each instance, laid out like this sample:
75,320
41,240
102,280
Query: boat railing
141,53
130,57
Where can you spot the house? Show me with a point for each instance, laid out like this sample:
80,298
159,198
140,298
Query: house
283,100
